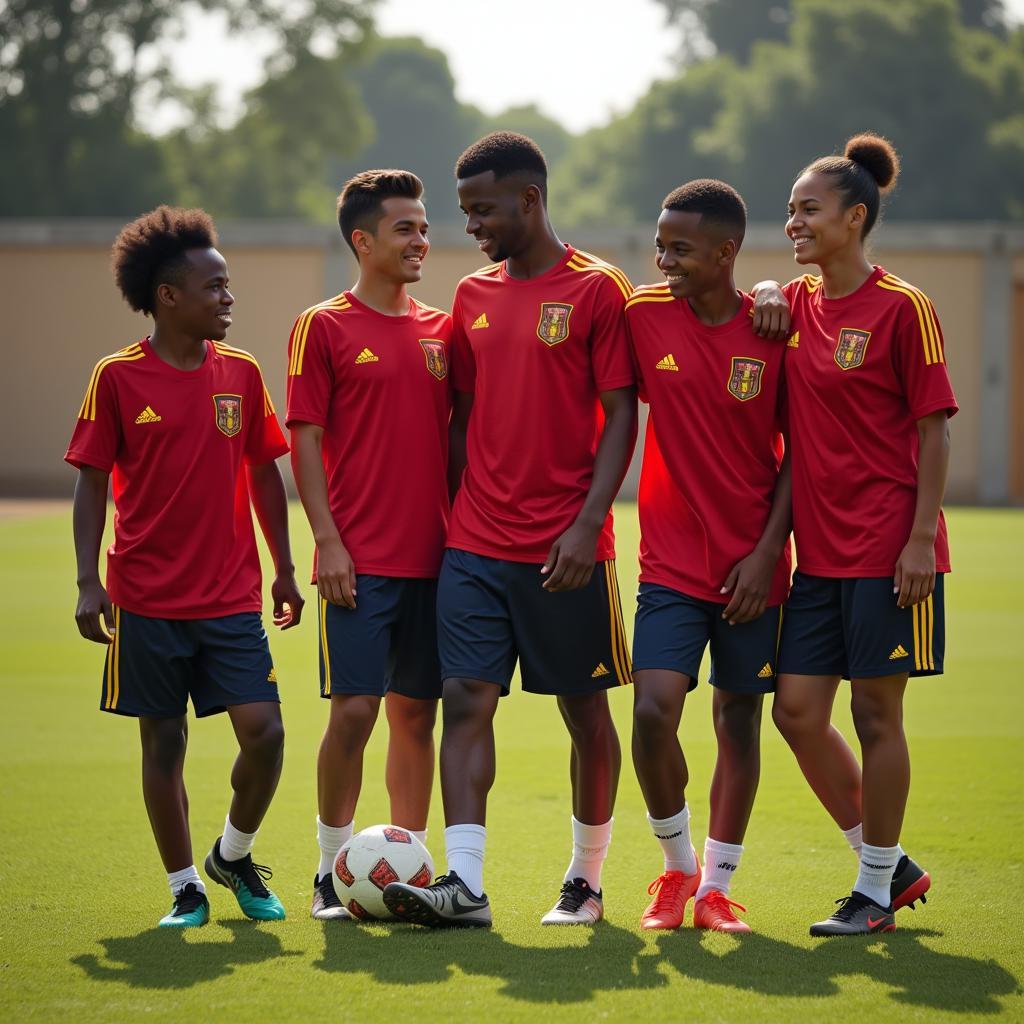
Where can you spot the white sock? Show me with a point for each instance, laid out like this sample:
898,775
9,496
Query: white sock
464,848
855,837
177,880
674,835
589,849
234,845
720,863
877,864
330,839
420,834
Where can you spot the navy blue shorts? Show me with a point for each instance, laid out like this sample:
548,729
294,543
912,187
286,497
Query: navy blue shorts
853,628
492,612
673,629
387,643
155,665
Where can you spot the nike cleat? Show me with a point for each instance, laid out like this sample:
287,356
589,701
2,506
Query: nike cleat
714,912
857,915
910,882
326,905
671,891
191,909
447,903
577,904
245,879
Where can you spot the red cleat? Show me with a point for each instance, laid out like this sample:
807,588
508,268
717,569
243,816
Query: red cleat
671,892
714,912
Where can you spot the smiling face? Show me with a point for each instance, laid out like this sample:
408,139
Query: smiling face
694,258
397,245
498,212
198,303
818,224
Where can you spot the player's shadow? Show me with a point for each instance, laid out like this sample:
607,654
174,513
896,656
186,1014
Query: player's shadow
918,976
162,958
611,959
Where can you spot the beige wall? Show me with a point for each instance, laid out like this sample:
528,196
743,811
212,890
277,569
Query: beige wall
61,313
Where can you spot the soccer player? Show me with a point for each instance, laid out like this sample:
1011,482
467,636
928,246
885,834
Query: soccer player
543,426
869,398
188,430
714,549
368,410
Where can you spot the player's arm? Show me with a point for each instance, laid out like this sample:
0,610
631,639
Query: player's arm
772,314
335,571
914,578
458,427
89,518
270,500
750,581
570,563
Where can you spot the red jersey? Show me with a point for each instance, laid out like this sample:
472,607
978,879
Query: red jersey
860,372
178,442
535,355
713,445
378,385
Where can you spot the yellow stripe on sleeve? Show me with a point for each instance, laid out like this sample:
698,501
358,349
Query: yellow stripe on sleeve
301,331
620,279
87,411
925,318
600,264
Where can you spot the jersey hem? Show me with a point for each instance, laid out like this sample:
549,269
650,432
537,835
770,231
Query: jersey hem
524,558
78,459
392,573
859,572
948,404
712,597
265,458
614,382
305,417
214,612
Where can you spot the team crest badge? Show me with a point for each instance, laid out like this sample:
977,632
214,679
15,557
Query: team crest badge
745,377
433,350
554,322
851,348
229,413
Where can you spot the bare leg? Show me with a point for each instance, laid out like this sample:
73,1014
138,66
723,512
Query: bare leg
257,769
340,764
467,749
410,765
596,758
163,788
738,765
658,699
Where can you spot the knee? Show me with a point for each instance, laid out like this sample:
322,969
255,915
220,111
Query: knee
164,742
351,722
467,705
875,720
265,741
651,719
414,720
739,723
797,723
588,718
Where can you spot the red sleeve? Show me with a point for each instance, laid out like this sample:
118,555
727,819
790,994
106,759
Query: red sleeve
920,359
610,352
637,369
264,442
310,373
97,436
463,374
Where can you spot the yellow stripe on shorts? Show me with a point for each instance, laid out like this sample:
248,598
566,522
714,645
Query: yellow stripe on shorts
620,647
324,652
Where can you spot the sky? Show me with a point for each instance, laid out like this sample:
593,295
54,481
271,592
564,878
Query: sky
579,61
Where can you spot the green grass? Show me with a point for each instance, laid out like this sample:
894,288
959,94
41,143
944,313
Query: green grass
81,885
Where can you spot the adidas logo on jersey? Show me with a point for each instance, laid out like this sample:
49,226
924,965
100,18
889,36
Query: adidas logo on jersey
601,670
366,356
794,342
480,321
766,672
147,416
668,363
900,652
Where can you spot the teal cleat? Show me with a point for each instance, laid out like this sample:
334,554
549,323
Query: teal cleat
191,909
245,880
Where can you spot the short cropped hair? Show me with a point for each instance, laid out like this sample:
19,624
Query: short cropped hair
506,154
715,201
361,203
152,251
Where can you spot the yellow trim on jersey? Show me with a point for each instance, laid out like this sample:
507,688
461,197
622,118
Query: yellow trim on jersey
240,353
324,651
584,261
301,331
430,309
925,317
811,282
87,410
620,647
636,298
490,270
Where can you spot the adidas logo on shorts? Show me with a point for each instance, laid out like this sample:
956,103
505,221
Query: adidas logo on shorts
900,652
766,672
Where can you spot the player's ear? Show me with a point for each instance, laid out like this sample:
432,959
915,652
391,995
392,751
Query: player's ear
727,252
362,243
165,295
856,215
531,198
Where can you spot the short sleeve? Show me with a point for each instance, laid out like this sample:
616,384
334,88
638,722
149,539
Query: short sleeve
310,372
265,441
634,352
919,358
463,369
97,435
610,351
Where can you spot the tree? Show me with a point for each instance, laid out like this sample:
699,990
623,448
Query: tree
552,138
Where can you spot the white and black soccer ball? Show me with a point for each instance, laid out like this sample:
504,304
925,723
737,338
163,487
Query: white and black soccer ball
372,859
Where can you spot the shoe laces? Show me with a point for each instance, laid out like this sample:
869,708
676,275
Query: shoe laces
717,900
328,894
187,899
666,887
849,906
573,896
253,876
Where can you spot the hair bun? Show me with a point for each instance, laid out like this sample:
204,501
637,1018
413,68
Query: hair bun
876,155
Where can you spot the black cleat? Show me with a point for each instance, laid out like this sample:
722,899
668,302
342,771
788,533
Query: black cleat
447,903
910,882
857,915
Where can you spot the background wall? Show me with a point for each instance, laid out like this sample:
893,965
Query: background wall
61,313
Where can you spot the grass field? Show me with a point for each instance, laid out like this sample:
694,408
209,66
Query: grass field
82,885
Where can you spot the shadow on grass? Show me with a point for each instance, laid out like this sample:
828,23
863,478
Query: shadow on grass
920,976
162,958
609,960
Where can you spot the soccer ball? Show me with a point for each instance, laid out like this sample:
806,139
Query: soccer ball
372,859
